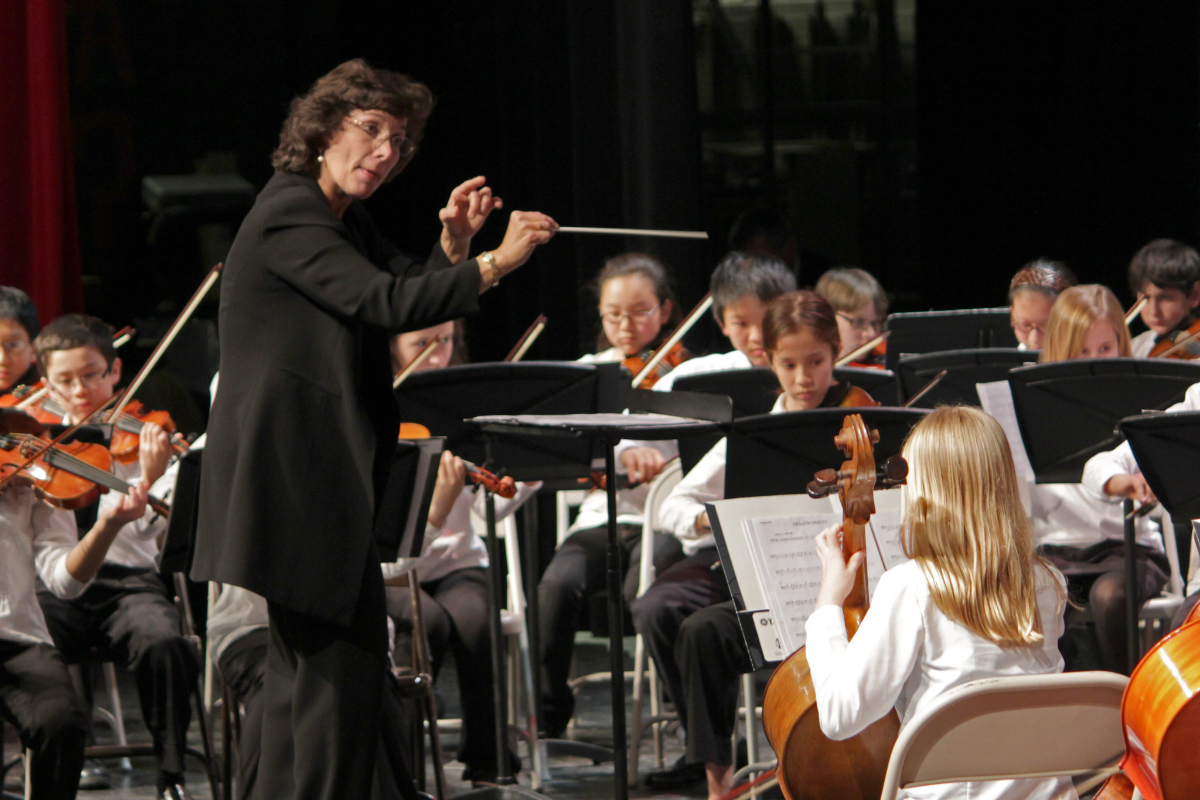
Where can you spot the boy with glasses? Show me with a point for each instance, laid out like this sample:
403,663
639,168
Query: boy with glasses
126,612
860,304
18,326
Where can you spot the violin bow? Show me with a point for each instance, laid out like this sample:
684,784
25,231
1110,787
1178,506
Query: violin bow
527,339
924,389
862,350
425,353
120,339
176,326
673,339
1182,343
1133,312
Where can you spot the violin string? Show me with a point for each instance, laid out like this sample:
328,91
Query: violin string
81,468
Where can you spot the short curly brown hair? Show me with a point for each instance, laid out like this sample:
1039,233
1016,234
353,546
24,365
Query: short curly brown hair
314,117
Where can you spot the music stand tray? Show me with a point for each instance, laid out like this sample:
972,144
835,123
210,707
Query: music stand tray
964,369
935,331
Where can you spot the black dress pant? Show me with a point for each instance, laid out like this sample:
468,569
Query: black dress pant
578,569
697,649
37,696
330,731
455,610
127,616
242,664
1096,577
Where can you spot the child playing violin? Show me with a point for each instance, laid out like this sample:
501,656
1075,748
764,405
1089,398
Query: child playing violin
1083,536
1167,274
974,602
1031,295
861,306
686,617
127,611
18,326
452,571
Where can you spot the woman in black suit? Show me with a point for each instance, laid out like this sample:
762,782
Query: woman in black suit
304,424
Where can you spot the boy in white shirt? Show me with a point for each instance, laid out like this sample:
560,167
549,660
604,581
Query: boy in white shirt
1167,274
127,611
36,693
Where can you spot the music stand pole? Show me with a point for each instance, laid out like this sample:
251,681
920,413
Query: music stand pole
616,624
1132,649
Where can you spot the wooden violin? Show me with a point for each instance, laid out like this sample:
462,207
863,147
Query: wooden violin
1182,344
506,487
812,766
648,367
127,427
870,355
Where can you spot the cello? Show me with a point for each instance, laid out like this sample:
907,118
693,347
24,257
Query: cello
812,766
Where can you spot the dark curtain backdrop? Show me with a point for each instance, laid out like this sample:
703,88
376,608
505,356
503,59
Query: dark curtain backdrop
39,246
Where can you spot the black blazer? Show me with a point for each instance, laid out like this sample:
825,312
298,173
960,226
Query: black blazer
305,421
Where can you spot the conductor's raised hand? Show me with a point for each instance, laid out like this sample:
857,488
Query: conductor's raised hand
837,574
451,474
467,209
526,230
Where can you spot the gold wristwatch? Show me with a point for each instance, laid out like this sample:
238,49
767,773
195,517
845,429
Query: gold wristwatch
489,261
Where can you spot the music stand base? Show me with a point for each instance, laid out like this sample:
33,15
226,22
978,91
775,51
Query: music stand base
512,792
569,747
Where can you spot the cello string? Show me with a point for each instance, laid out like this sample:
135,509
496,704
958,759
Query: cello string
878,549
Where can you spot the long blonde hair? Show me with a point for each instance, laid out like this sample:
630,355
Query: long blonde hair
1072,316
965,526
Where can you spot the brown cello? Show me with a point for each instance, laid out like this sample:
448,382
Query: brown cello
812,766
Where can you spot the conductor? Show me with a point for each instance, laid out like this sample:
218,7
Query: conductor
304,425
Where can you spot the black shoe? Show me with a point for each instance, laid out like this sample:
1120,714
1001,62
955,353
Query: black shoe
680,775
176,792
486,776
94,776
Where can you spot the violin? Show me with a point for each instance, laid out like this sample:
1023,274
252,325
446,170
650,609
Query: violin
812,766
127,427
506,487
870,355
1182,344
647,371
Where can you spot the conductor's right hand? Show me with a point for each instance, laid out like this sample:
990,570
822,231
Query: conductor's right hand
451,473
526,230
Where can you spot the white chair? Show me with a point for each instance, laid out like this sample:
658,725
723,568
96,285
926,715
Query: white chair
643,667
1157,612
1032,726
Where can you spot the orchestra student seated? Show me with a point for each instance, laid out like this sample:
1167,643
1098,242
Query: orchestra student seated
861,306
1031,295
1167,274
974,602
126,613
1073,527
687,617
18,326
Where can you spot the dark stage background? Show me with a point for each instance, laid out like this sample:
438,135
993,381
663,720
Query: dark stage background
977,136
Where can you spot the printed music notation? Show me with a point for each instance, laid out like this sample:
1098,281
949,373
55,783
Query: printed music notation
784,553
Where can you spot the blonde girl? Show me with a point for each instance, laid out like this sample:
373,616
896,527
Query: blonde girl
1086,322
974,602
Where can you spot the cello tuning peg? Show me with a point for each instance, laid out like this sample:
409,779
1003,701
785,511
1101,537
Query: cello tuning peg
823,483
894,472
874,436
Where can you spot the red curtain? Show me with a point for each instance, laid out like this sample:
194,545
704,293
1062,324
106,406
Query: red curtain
39,234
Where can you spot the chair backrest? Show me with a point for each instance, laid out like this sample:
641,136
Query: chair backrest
1175,581
564,501
1021,727
660,487
506,531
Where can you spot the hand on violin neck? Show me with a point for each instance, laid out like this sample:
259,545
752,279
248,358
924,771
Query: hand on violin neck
642,464
837,574
1132,486
703,526
154,451
451,474
86,557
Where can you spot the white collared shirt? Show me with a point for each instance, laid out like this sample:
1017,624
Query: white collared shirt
35,540
136,546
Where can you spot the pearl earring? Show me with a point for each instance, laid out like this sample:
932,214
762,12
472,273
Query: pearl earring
320,158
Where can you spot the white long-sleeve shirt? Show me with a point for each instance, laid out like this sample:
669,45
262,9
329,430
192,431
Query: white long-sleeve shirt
136,545
457,545
1141,345
35,540
705,483
907,653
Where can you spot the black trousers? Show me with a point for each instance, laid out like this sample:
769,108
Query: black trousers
243,664
1096,576
578,569
455,610
330,731
37,696
126,615
687,622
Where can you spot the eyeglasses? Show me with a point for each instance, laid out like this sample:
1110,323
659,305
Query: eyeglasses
400,144
1028,327
862,323
635,317
14,346
88,380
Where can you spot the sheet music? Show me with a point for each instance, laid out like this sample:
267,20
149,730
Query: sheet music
783,550
996,400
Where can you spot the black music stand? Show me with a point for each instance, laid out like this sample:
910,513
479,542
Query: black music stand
1068,411
964,369
935,331
653,416
778,454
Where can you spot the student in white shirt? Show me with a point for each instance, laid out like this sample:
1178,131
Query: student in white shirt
974,602
686,617
452,571
1083,535
1031,295
1167,274
36,692
127,611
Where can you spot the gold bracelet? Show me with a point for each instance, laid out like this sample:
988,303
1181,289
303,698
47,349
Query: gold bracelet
490,261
